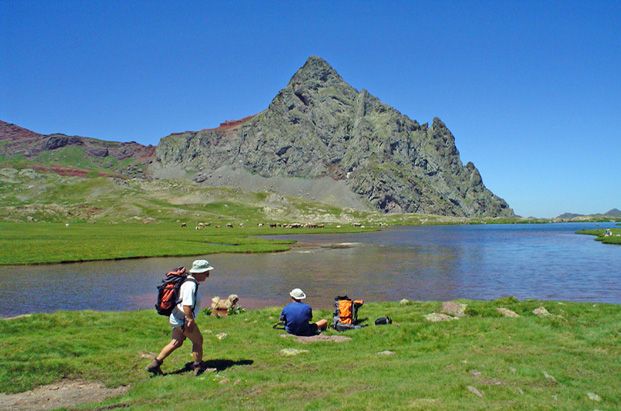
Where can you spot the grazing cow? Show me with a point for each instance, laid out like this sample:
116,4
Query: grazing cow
229,225
273,225
356,224
260,224
184,225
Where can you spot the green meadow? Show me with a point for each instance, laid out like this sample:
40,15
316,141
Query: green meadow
615,238
570,360
55,243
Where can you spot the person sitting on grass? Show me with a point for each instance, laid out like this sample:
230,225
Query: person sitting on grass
297,316
183,322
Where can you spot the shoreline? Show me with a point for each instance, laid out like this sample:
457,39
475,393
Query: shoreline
318,308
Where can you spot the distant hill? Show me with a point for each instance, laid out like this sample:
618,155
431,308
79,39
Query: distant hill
615,213
569,215
18,144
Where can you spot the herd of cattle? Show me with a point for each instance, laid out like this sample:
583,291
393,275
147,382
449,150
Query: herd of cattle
200,226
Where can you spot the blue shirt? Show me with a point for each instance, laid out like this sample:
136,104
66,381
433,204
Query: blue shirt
296,317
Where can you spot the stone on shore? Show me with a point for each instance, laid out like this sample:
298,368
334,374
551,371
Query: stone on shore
541,312
454,309
507,312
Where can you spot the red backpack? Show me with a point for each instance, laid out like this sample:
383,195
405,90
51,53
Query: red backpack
168,290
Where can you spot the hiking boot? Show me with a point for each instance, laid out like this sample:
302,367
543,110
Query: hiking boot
198,368
154,367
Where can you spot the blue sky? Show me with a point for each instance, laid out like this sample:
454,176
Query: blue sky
530,89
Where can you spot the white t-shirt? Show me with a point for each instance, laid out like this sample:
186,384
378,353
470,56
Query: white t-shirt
187,294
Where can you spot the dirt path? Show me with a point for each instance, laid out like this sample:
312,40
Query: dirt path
66,393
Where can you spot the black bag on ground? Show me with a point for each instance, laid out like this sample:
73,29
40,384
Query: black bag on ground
383,320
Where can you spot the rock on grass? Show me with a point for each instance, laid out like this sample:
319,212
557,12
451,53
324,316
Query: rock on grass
475,391
541,312
454,308
507,312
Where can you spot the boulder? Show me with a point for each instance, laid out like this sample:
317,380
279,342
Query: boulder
507,312
541,312
97,151
454,309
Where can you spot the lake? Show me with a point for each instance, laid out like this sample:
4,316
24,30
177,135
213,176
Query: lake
542,261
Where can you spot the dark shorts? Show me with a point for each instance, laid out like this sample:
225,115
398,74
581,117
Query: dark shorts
311,330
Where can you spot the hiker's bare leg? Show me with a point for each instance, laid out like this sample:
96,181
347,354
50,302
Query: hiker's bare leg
176,342
194,334
322,324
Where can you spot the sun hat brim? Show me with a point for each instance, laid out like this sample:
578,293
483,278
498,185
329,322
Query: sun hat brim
200,270
297,295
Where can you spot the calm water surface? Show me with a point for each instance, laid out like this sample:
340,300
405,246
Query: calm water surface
422,263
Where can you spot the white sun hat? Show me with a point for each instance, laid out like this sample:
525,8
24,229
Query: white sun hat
297,294
200,266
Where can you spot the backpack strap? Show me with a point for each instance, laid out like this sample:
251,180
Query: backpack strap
195,291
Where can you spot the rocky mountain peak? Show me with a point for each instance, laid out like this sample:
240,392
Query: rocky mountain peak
320,128
316,73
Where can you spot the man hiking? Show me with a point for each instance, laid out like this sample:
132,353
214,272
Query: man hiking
296,316
183,319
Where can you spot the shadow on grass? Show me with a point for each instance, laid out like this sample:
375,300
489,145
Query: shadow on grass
211,365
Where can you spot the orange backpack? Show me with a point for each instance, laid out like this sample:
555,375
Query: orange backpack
346,313
168,290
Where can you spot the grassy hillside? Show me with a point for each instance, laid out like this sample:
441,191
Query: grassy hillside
71,156
555,362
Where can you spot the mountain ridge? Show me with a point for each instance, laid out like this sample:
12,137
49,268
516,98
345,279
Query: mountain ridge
319,138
